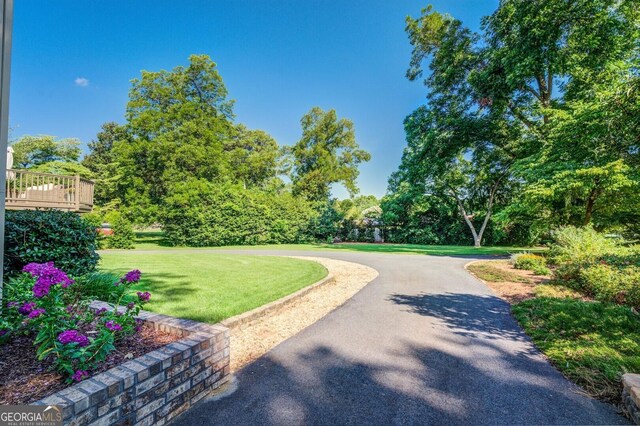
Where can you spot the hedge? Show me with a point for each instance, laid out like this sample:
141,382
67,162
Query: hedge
202,214
49,235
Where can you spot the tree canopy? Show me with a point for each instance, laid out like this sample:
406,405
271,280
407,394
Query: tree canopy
180,159
326,154
31,151
519,118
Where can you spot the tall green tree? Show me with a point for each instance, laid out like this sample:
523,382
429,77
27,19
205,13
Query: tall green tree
253,157
31,151
101,160
521,104
326,154
177,125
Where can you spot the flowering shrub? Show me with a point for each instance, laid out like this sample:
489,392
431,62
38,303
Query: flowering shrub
528,261
41,301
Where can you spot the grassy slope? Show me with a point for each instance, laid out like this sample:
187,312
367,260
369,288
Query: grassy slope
592,343
210,287
150,240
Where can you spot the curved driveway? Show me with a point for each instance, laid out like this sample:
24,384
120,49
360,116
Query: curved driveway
424,343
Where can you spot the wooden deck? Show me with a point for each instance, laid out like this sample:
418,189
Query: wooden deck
28,190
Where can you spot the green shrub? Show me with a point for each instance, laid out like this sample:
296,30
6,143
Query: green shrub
541,270
597,266
96,286
612,284
49,235
202,214
529,261
123,236
578,245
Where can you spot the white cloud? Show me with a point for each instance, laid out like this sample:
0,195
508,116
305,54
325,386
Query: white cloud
81,81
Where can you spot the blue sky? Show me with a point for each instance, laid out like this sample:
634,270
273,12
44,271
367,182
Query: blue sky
73,62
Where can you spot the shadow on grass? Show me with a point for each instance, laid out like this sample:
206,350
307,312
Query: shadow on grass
151,239
166,289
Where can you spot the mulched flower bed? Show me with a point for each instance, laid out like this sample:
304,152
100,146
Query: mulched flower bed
24,379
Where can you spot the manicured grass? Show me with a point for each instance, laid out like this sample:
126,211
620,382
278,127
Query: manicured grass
592,343
154,240
210,287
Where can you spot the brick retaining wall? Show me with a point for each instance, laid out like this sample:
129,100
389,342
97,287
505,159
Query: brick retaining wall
156,387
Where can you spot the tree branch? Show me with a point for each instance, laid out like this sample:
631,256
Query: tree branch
520,116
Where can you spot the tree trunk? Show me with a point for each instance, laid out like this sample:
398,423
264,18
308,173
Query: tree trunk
477,236
591,202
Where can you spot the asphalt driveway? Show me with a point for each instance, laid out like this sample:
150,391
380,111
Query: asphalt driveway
424,343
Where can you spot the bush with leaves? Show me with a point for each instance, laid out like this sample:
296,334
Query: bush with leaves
123,236
96,286
49,235
200,213
596,265
610,283
530,262
42,302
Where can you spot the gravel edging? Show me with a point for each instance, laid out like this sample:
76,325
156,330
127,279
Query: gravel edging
253,340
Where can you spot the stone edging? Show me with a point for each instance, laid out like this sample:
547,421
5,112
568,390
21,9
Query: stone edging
631,396
156,387
245,319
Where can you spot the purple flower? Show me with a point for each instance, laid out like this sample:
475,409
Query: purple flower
13,304
101,311
3,331
132,276
27,308
73,336
113,326
131,305
36,313
80,375
144,296
46,275
35,269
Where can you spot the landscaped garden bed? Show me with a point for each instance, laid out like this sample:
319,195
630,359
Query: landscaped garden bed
582,314
29,379
106,362
156,387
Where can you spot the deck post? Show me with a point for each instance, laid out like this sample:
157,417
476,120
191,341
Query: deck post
77,193
6,28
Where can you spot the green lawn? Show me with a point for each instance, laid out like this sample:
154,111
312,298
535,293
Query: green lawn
154,240
210,287
592,343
